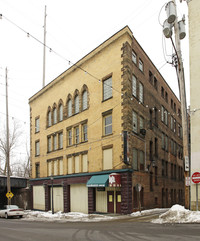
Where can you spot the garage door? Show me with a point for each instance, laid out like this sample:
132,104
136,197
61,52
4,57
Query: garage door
79,198
38,198
57,198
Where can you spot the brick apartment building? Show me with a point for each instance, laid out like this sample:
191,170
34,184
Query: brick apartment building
106,134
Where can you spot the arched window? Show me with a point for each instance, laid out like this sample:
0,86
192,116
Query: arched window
76,104
69,108
54,116
84,100
60,112
49,118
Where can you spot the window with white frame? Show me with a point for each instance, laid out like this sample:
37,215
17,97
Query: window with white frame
69,137
141,122
54,116
60,112
134,57
84,131
135,126
60,140
49,118
54,142
84,100
37,124
134,86
76,104
107,88
76,130
49,144
37,148
141,65
69,108
107,124
141,92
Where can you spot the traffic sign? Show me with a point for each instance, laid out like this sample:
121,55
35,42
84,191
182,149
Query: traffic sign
9,195
196,177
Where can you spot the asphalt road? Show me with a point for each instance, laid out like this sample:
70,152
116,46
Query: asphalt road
125,229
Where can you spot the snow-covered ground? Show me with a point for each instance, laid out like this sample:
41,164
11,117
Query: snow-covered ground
176,214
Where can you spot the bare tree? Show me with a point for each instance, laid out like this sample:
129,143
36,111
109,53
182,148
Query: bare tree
14,143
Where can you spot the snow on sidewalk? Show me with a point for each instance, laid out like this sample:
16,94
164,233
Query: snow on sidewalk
178,214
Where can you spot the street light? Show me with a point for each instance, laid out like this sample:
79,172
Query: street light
52,205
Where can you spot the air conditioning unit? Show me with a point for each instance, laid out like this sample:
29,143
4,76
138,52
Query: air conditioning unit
143,132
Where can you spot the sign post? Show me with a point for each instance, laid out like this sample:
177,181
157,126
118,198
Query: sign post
196,180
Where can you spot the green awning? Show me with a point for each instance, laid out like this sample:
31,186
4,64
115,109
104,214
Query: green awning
98,181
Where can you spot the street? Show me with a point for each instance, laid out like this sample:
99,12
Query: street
121,229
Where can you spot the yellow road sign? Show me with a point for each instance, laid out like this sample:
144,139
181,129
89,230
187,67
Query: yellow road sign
9,195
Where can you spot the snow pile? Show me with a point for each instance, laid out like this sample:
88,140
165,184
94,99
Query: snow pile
64,217
148,212
178,214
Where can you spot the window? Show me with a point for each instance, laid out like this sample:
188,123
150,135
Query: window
55,167
107,159
141,93
134,57
107,88
60,140
156,175
175,107
54,142
49,144
163,141
54,116
76,164
166,117
135,127
37,170
84,100
151,181
49,168
135,159
69,108
156,147
141,160
49,118
162,113
37,125
166,143
76,135
162,92
141,122
166,97
151,150
166,168
69,137
84,131
172,103
60,112
85,163
37,148
150,77
76,104
108,124
134,86
156,116
163,168
141,66
155,83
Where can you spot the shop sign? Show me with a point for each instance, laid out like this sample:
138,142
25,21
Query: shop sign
114,180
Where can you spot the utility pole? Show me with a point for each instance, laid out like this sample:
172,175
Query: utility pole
180,73
44,46
7,140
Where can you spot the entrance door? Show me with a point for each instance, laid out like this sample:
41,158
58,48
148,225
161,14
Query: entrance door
118,202
110,201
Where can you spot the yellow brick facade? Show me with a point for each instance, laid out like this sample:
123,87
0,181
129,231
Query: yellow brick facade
104,61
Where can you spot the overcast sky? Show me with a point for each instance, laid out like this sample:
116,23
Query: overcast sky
74,28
